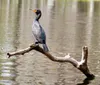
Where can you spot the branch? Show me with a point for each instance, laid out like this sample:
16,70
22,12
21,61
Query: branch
81,65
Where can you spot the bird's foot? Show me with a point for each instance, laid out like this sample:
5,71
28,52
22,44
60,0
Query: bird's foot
36,43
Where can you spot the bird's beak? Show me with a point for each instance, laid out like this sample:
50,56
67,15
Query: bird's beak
34,10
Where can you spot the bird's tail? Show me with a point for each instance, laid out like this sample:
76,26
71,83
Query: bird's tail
45,48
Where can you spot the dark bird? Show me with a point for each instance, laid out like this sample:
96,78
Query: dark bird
38,31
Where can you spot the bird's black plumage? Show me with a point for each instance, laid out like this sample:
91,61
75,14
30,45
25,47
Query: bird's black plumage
38,31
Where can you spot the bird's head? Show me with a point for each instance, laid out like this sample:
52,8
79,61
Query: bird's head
37,11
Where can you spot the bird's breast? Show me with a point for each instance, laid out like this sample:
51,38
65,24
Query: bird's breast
35,27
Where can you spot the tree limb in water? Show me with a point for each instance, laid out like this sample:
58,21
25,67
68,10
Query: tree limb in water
81,65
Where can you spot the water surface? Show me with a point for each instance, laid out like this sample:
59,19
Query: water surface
69,25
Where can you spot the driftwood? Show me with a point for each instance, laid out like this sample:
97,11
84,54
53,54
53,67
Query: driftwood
81,65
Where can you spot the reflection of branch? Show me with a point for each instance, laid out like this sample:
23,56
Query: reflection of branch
81,65
86,81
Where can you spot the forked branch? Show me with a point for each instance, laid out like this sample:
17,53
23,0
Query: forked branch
81,65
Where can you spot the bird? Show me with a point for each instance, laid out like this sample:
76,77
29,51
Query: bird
38,32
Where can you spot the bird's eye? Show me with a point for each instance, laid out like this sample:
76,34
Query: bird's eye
37,11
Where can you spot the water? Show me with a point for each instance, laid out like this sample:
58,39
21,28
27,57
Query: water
69,25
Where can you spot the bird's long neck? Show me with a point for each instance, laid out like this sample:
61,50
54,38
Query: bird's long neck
38,17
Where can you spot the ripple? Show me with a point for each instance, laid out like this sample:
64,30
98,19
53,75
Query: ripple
7,82
8,63
6,67
7,71
7,75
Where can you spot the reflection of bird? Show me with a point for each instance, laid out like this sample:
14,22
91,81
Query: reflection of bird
38,32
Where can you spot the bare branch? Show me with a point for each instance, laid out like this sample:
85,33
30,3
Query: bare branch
81,65
22,51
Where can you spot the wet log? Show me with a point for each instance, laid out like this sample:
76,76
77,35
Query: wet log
81,65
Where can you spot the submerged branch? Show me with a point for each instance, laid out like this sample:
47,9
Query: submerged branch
81,65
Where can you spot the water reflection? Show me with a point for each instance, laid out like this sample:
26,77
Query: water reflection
8,41
86,81
7,73
69,25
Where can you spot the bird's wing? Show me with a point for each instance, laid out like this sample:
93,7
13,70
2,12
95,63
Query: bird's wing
43,35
